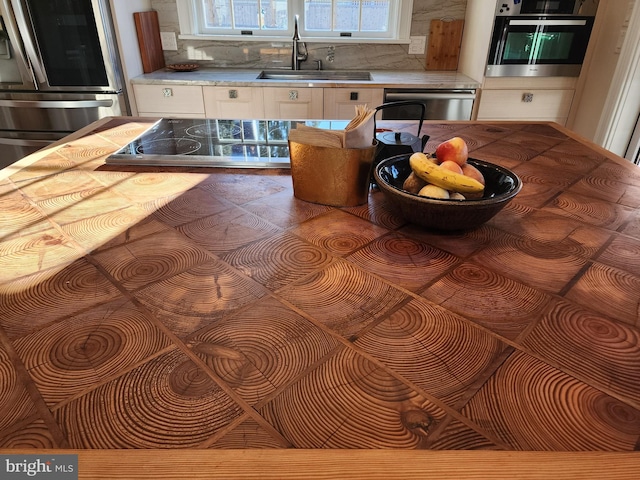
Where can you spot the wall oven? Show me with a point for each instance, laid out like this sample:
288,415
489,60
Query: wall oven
540,37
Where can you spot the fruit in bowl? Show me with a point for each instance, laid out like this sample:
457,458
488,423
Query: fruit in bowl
447,169
453,150
492,187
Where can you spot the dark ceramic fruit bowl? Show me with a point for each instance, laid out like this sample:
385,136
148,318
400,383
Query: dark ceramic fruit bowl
446,215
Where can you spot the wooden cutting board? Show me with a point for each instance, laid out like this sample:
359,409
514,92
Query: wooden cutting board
148,30
444,44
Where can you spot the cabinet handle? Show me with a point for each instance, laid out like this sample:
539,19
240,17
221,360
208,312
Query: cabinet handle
293,94
233,93
167,92
353,96
527,97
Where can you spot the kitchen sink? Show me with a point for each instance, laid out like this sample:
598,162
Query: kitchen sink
306,75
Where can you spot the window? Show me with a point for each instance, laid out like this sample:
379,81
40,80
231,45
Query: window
361,21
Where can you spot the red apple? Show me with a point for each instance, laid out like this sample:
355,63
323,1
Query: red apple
455,150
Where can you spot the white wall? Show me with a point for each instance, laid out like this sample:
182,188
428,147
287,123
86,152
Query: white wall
125,26
622,107
595,87
476,38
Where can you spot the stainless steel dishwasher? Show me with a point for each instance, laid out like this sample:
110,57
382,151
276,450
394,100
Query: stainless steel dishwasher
440,104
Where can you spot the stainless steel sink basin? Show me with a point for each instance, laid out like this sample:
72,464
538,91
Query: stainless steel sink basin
307,75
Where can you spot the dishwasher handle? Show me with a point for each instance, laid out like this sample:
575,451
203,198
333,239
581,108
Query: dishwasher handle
430,96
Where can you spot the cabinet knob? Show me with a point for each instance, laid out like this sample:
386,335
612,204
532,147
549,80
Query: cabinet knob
167,92
527,97
353,95
293,94
233,93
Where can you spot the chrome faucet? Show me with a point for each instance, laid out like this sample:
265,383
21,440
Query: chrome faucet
296,56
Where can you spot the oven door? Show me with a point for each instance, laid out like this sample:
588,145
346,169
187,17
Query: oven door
538,46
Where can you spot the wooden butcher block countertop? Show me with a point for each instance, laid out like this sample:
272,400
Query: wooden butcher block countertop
255,335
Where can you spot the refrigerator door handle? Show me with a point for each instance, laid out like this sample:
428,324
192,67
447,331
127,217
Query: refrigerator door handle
56,103
27,39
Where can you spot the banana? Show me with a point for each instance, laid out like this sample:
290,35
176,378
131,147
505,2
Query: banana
432,173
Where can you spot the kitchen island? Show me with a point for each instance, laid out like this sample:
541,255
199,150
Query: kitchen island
210,312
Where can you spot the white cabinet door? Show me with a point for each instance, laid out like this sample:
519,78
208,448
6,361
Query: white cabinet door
295,103
525,104
340,103
169,100
233,102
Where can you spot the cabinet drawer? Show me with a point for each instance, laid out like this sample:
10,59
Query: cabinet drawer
178,99
340,103
233,102
512,105
296,103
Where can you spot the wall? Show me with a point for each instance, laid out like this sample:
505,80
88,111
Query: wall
600,65
278,54
127,38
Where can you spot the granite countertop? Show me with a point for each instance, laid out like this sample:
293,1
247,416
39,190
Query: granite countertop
248,78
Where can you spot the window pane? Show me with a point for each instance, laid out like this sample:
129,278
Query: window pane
217,13
274,14
245,13
347,15
375,16
317,15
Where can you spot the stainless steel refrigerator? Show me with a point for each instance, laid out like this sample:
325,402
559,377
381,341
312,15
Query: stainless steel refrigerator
59,71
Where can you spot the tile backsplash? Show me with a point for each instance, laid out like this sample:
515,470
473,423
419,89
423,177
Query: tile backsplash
278,54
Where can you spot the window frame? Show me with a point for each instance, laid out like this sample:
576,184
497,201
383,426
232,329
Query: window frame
401,26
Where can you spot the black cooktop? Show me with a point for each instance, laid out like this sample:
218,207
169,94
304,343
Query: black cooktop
215,143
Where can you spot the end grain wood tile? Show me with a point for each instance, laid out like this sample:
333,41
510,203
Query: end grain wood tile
262,348
423,343
403,261
165,402
552,410
487,298
350,402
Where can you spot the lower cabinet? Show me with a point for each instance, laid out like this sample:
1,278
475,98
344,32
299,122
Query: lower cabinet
238,102
528,104
178,101
296,103
542,99
340,103
233,102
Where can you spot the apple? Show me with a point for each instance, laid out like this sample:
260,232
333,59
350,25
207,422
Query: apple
455,150
434,191
450,165
471,171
